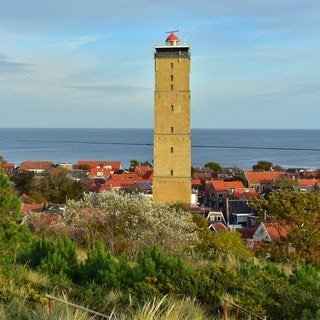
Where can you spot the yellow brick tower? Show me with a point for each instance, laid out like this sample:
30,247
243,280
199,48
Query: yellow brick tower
172,140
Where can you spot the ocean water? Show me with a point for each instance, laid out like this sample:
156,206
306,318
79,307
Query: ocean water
229,147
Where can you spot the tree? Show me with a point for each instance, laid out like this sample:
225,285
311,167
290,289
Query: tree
299,213
214,166
262,166
9,203
212,244
2,160
285,183
134,163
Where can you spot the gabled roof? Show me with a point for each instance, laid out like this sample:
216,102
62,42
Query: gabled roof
264,177
245,193
308,182
219,185
114,165
32,207
276,231
172,37
217,226
97,172
35,165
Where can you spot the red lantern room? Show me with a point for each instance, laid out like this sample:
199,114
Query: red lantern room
172,40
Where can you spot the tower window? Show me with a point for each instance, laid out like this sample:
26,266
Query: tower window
171,77
172,107
172,130
172,87
171,149
171,65
171,172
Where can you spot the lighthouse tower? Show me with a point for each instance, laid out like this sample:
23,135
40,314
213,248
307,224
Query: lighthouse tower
172,140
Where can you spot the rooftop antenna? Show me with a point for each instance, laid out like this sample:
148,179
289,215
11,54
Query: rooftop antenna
172,31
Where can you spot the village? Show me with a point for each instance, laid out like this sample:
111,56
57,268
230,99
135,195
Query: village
221,195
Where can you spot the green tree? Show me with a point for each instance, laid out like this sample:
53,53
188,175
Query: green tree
285,183
299,213
214,166
9,203
2,160
262,166
212,244
134,163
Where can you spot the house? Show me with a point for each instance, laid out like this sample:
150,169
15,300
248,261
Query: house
271,232
7,167
219,190
35,166
142,170
217,226
308,182
32,207
262,181
100,173
118,182
215,216
113,166
245,194
240,214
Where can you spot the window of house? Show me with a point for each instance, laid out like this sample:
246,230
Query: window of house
171,149
172,130
172,107
171,77
172,87
171,172
218,218
171,65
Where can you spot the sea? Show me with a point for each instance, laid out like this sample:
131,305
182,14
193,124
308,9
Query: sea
229,147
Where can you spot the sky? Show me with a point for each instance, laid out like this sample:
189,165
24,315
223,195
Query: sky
89,64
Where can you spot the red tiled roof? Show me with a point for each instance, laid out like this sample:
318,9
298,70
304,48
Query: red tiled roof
254,177
219,185
148,175
219,226
247,193
172,37
195,181
99,172
8,167
276,231
308,182
35,165
125,177
114,165
32,207
142,170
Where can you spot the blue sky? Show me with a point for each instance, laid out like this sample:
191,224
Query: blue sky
255,64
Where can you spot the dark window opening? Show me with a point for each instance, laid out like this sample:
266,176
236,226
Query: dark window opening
171,172
172,130
171,149
172,107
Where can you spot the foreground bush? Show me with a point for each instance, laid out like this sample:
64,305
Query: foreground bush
131,223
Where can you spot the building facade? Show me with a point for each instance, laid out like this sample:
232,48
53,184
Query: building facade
172,139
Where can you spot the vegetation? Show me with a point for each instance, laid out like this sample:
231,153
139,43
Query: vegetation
214,166
299,213
262,166
145,261
52,187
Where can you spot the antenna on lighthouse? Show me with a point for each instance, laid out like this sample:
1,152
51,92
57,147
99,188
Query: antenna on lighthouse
172,31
